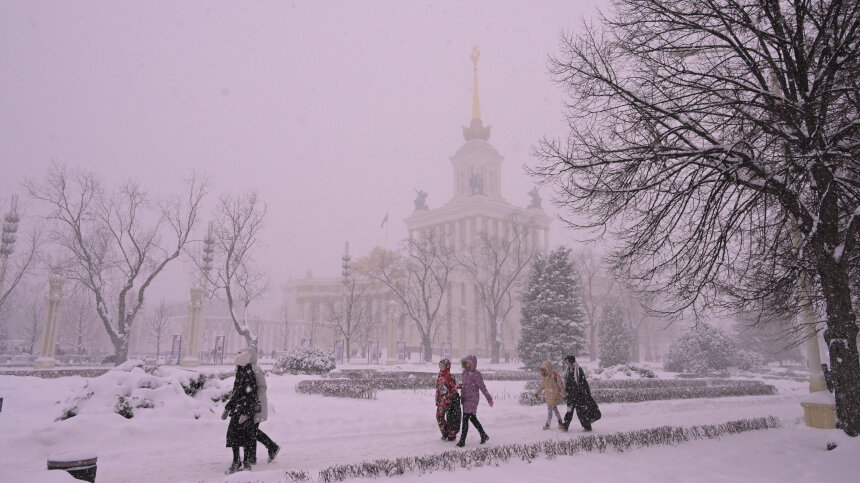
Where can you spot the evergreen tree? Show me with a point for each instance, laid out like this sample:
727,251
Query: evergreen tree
703,348
615,337
553,322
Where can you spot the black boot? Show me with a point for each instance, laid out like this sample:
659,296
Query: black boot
463,432
236,465
250,456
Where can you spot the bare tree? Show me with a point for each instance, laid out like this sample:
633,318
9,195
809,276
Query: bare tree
158,326
237,227
496,265
285,330
418,278
31,322
78,313
349,317
718,140
596,290
115,243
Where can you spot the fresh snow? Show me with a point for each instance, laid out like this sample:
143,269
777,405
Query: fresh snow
166,443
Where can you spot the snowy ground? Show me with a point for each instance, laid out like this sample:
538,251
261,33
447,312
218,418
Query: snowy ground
316,432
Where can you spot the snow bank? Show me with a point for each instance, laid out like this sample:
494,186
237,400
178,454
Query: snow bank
135,389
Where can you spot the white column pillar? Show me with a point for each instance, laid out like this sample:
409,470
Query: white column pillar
195,328
48,348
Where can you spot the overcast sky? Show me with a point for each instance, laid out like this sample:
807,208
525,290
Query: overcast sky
334,111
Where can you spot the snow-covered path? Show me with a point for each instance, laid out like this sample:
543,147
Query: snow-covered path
314,431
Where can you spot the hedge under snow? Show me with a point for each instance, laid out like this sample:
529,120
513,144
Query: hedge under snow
493,455
304,360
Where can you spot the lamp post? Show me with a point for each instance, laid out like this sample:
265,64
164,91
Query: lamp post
195,305
7,238
463,331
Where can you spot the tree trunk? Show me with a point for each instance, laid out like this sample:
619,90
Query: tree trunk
841,339
428,347
158,348
121,347
592,342
346,345
495,343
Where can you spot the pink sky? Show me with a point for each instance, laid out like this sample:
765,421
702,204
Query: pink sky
333,111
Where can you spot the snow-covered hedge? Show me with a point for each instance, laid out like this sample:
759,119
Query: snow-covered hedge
337,388
133,388
493,455
305,360
661,389
621,371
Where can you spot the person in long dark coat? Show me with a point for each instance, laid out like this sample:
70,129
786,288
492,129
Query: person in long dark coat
263,414
241,408
578,395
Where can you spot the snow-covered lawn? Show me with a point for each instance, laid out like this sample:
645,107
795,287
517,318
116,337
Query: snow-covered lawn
316,432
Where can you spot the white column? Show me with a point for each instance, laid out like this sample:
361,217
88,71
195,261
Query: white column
48,348
195,328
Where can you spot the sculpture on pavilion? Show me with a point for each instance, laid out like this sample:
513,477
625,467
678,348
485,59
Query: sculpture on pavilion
536,199
421,200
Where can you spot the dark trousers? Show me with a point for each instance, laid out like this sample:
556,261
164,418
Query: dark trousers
467,417
444,425
262,438
580,413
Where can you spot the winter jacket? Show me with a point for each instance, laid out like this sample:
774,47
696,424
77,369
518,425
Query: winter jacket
472,382
260,377
446,386
578,392
552,383
243,402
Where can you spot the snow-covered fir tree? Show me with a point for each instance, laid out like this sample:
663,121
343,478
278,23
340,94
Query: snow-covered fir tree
616,338
703,348
553,322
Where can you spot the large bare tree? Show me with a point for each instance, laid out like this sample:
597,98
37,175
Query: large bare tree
115,242
719,141
236,275
496,264
418,279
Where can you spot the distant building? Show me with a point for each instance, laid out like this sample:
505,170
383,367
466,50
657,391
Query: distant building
477,206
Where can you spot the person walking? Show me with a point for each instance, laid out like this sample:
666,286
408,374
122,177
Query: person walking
472,383
578,396
446,397
553,384
262,415
241,432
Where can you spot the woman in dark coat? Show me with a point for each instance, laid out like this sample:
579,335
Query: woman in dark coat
578,395
241,408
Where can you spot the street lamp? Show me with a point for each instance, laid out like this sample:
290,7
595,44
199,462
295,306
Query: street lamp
7,238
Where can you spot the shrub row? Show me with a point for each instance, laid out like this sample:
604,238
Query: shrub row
655,383
373,374
483,456
614,395
336,388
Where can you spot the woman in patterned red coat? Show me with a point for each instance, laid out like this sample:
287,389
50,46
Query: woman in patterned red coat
446,392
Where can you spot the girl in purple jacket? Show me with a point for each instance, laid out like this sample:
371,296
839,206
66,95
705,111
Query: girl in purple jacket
472,382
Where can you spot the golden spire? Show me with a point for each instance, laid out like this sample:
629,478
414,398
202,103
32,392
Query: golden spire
476,102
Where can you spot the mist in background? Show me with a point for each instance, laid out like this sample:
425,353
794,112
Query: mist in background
335,112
